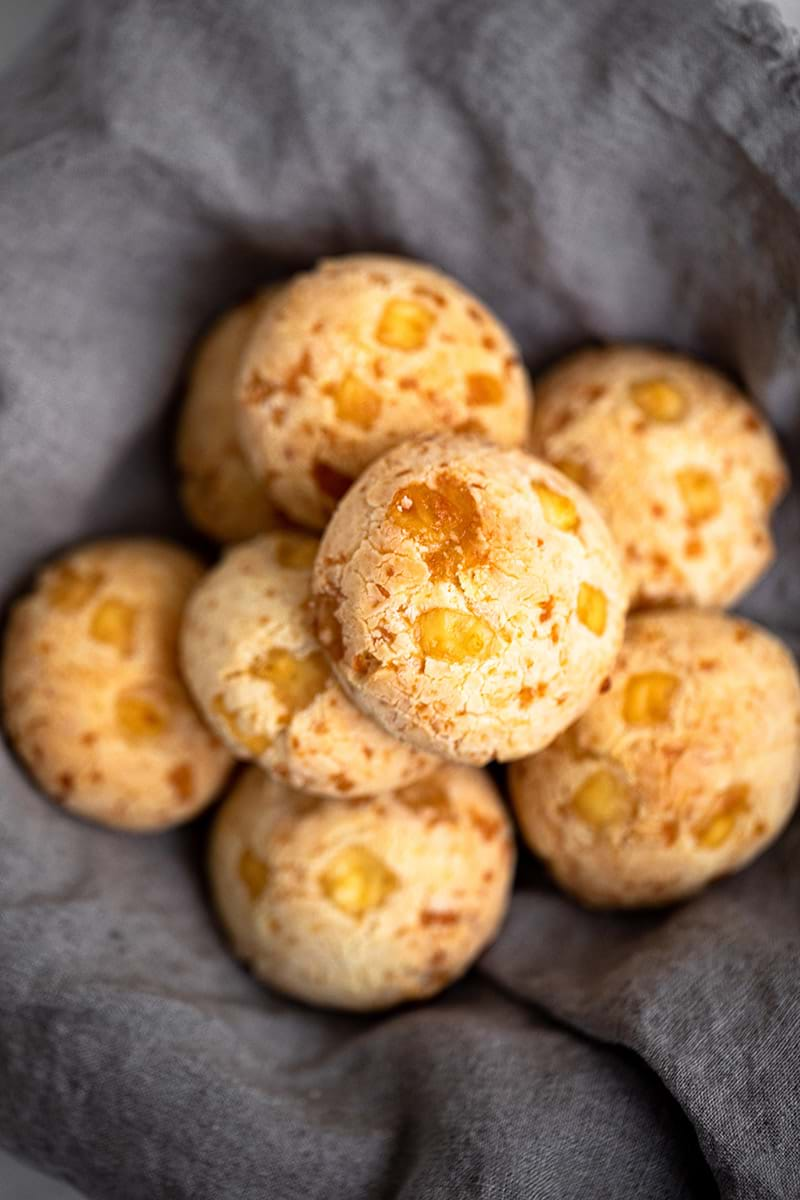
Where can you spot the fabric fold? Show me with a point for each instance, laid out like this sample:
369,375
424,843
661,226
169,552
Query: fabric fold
605,169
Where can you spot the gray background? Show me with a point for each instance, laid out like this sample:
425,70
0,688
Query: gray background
18,21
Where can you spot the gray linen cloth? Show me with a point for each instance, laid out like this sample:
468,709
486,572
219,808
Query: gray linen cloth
597,169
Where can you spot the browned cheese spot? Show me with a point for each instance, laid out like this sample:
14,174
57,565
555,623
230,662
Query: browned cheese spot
659,400
445,519
365,663
648,697
357,881
181,779
487,827
700,493
355,403
484,391
592,608
253,873
113,623
453,636
602,801
295,680
404,325
68,589
138,717
254,743
430,916
714,831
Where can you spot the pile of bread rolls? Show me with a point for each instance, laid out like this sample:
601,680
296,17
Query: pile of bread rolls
423,572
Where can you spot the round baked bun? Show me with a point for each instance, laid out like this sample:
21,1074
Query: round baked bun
362,904
263,684
92,698
684,769
681,465
359,354
219,492
469,598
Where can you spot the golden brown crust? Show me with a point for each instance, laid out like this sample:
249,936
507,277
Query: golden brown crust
360,354
259,676
220,493
92,698
362,904
685,768
682,467
470,598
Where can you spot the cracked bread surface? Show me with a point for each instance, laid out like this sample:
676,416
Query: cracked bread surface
469,598
259,676
359,354
685,768
682,466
